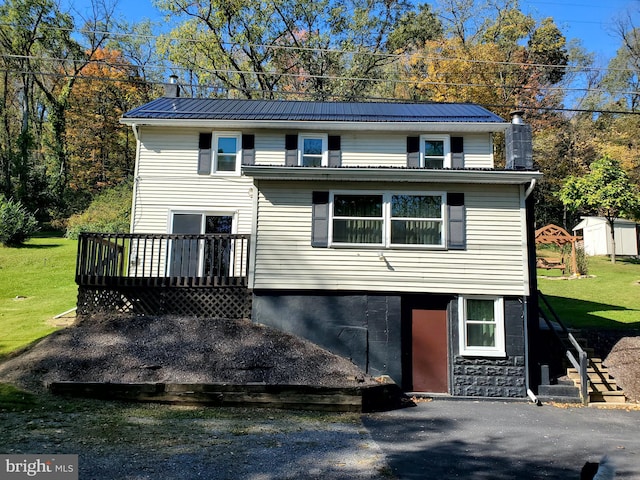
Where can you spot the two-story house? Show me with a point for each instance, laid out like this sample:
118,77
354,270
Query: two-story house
380,231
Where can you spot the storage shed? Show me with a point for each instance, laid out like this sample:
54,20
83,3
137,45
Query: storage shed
596,233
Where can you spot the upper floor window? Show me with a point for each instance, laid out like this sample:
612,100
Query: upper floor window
226,152
388,219
435,151
219,153
312,150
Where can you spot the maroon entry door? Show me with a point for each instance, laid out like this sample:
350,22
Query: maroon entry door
430,369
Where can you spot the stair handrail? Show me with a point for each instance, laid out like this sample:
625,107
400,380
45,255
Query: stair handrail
582,362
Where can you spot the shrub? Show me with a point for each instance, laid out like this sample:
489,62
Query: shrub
17,224
109,212
582,261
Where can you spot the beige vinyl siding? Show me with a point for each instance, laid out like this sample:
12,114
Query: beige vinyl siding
478,151
358,149
493,263
167,181
370,150
269,147
162,146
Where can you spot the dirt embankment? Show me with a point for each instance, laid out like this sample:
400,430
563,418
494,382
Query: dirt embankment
624,364
177,350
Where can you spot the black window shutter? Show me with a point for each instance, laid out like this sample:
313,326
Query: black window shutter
335,152
291,148
457,152
413,152
457,235
248,149
204,153
320,219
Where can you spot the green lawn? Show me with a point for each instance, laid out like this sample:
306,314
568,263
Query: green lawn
36,283
608,298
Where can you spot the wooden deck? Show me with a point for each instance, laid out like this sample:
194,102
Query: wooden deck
162,260
157,274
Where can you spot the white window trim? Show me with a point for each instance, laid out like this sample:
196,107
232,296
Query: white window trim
325,146
203,214
386,219
498,311
446,139
214,148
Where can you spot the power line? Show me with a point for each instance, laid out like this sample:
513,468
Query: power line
313,94
320,50
308,76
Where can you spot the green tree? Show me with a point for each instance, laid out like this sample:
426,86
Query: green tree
42,60
606,191
109,211
17,224
414,29
27,30
319,49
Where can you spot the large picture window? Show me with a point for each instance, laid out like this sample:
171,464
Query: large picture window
481,326
388,219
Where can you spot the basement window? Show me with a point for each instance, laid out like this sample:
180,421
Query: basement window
481,323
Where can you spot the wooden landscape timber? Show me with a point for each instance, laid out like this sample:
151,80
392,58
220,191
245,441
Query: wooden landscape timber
363,399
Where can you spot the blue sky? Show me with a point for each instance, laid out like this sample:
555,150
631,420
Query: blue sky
591,21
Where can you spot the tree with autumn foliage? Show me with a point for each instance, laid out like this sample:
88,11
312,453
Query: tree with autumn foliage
101,150
512,62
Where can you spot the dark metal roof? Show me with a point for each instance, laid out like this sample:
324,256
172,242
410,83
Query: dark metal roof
174,108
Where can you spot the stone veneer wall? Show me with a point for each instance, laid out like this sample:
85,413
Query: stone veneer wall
483,377
492,377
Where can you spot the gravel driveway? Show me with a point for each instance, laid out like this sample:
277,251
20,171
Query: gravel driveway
441,439
145,441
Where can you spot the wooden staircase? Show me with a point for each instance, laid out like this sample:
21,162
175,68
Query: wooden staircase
602,386
582,365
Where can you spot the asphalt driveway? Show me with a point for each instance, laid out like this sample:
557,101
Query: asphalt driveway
445,439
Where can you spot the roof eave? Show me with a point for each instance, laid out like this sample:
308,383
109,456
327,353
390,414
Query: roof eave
426,126
381,174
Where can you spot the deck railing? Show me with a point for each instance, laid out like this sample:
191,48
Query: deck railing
179,260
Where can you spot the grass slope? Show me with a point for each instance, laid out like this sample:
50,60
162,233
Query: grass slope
36,283
608,298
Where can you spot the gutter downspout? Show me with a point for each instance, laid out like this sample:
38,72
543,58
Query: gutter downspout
136,134
530,394
530,188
